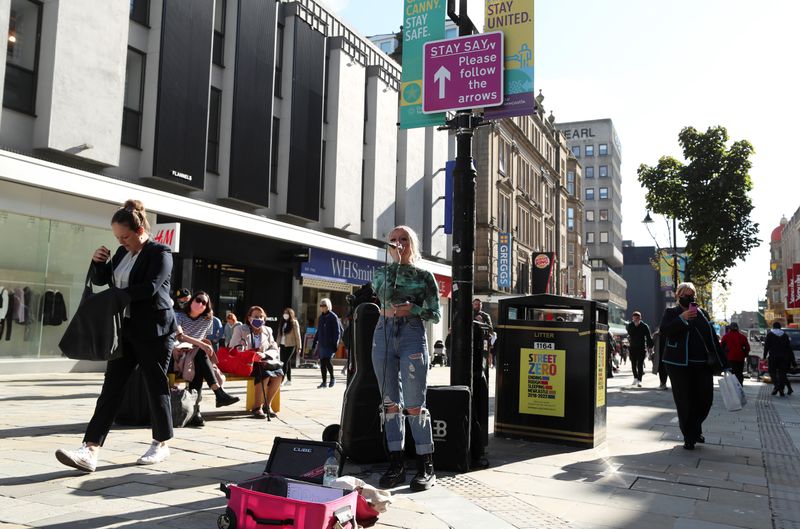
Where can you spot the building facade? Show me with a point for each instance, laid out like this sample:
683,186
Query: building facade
597,147
261,136
783,287
644,292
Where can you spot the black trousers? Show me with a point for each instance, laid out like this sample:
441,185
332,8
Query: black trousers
637,364
693,393
202,371
662,372
737,366
287,357
326,366
152,356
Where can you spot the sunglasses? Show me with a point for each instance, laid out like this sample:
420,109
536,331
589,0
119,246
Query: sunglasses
201,301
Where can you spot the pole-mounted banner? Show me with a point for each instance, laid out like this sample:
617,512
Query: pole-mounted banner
423,21
514,18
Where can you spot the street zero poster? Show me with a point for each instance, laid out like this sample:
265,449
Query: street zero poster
601,374
423,21
541,381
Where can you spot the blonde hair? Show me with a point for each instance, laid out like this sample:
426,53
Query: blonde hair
684,286
413,239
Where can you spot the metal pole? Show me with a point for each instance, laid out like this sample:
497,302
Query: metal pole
674,255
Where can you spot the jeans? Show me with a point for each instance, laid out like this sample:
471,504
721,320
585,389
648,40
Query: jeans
400,359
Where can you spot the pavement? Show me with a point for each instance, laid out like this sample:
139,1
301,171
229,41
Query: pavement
745,476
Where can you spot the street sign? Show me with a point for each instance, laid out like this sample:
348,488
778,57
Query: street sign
462,73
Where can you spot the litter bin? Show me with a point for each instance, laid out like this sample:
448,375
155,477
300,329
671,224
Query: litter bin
551,370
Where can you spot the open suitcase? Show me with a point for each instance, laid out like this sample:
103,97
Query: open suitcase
290,493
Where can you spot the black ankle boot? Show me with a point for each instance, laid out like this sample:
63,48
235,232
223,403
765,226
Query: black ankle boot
396,474
197,420
425,477
224,399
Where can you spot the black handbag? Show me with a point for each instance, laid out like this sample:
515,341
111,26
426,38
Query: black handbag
94,333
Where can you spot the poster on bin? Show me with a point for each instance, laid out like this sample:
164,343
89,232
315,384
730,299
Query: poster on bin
514,18
601,374
541,381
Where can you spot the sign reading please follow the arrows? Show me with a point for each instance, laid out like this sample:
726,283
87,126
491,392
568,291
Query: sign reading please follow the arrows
463,73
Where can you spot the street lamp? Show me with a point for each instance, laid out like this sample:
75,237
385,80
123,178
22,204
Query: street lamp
649,220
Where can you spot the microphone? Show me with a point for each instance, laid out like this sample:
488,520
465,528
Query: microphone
396,246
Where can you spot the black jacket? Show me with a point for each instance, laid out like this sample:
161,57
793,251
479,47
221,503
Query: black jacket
151,313
639,336
778,349
679,341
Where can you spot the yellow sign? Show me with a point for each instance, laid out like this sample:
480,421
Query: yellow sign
601,374
542,376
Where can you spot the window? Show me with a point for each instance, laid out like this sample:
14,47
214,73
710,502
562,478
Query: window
603,236
322,176
273,159
589,215
603,193
571,219
451,33
522,277
502,156
571,255
279,61
387,47
576,150
603,214
571,183
132,103
571,283
589,193
218,53
140,11
590,237
22,57
589,172
599,284
503,213
603,171
598,263
212,148
603,149
589,150
523,228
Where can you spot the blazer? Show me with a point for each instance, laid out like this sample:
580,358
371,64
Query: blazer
151,313
676,337
291,338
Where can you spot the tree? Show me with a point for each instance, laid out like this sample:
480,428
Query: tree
709,198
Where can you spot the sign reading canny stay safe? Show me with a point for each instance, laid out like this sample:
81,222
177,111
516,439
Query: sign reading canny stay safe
541,380
463,73
423,21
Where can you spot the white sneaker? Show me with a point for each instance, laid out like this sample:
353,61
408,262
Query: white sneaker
638,383
155,454
84,458
635,381
287,382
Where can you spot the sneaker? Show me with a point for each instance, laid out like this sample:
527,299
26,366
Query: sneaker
323,385
332,383
84,458
638,383
287,382
662,386
157,453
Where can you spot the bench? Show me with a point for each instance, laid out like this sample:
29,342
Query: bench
250,402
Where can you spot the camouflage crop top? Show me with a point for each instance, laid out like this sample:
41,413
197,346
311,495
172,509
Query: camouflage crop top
398,283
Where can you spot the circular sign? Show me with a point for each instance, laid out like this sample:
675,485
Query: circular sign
541,261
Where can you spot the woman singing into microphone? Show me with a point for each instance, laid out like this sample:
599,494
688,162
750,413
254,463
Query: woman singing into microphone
408,297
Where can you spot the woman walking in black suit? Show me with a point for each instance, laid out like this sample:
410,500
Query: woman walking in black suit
141,268
692,355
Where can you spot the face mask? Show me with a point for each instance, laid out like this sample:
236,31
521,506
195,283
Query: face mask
685,300
257,323
286,317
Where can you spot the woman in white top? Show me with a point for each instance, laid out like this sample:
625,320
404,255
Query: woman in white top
256,335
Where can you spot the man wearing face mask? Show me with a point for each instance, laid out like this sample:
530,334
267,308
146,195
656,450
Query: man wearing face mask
692,355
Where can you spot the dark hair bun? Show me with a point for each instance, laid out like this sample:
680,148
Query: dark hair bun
132,214
134,205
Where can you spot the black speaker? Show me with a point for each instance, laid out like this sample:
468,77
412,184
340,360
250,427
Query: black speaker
302,459
450,409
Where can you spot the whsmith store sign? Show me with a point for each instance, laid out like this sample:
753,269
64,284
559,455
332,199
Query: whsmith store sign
334,266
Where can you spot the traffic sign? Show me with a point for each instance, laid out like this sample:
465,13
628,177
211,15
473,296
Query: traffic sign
462,73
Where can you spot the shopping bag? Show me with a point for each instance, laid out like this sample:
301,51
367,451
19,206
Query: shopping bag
237,360
183,402
731,391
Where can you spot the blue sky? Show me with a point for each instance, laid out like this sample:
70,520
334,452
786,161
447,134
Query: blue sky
655,67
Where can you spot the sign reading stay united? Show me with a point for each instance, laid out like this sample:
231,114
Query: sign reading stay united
423,21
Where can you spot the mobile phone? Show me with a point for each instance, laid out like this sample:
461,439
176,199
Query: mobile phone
693,306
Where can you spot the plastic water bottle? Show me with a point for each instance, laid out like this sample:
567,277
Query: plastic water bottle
331,469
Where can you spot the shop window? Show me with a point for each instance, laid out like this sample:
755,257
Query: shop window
22,56
218,47
133,99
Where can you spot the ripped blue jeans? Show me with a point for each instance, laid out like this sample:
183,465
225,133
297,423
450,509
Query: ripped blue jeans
400,359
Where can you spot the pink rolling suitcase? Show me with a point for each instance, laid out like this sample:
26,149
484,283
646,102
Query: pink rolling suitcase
278,502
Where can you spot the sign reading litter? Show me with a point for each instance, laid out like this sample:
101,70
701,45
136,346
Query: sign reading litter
463,73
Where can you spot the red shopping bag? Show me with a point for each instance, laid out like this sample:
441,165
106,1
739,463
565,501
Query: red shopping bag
237,360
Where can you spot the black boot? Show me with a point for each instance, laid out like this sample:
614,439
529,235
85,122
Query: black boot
396,474
197,420
425,477
224,399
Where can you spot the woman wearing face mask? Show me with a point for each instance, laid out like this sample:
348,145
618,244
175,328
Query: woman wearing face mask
289,341
329,332
690,346
256,335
